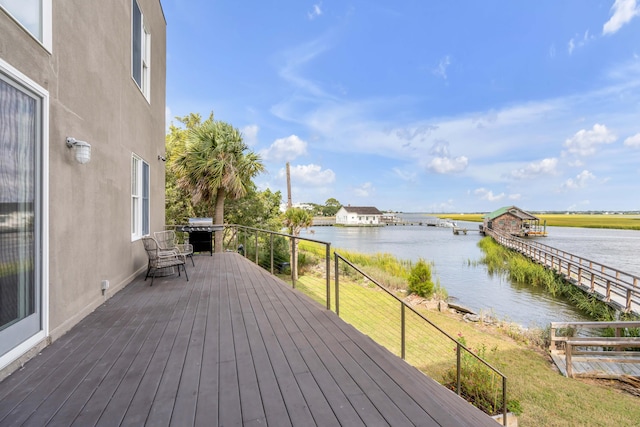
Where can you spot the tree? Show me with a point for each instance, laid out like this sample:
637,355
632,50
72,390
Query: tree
215,164
331,207
420,279
258,209
178,204
295,219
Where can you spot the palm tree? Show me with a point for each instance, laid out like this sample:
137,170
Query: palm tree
214,165
295,219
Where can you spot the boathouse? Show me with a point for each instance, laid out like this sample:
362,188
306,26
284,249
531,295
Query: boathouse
514,221
359,215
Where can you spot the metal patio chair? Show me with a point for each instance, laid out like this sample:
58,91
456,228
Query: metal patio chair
168,242
159,258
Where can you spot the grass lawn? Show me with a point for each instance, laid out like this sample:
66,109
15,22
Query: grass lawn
626,222
547,398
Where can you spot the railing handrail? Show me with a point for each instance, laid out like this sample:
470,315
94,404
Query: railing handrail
613,324
277,233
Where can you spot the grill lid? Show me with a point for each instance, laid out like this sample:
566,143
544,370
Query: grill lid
200,222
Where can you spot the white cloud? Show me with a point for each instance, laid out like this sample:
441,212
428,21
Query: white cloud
579,41
316,11
250,134
623,11
571,46
440,148
516,196
534,169
633,141
285,149
488,195
577,163
405,176
580,181
365,190
311,175
446,165
585,142
441,69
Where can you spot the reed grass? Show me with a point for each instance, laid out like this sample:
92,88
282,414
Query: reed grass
521,270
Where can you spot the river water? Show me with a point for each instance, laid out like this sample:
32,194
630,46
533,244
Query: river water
468,283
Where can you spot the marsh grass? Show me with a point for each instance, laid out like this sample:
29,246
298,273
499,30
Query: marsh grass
521,270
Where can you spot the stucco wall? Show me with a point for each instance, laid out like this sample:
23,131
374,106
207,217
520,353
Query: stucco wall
93,97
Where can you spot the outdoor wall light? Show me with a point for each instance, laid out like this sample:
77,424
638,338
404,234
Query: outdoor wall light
82,148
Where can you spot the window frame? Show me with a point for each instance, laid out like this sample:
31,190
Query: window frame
140,192
46,25
140,51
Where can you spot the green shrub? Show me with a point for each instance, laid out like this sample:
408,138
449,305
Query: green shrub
420,279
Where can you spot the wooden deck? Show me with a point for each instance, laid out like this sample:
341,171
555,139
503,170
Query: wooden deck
587,366
233,346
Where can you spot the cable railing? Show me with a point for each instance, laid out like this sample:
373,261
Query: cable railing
272,251
387,319
363,302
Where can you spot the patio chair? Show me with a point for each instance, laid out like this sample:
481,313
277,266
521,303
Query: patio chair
159,259
168,242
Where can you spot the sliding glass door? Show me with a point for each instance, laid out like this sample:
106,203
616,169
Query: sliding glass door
21,249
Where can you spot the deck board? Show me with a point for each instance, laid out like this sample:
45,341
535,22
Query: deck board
233,346
599,366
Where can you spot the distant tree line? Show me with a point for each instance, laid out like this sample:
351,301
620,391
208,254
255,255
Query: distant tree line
330,208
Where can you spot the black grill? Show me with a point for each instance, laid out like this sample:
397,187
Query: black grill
200,233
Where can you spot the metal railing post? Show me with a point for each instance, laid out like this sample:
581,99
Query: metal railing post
271,242
402,331
294,263
458,368
328,273
256,239
337,280
504,401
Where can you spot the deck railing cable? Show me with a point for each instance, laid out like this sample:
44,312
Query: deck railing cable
411,335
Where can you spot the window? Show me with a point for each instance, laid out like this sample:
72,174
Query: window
23,212
139,198
140,50
33,15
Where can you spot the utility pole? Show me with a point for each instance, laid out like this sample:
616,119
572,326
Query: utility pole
288,186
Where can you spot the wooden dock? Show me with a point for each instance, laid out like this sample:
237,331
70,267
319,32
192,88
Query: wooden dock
618,289
580,349
233,346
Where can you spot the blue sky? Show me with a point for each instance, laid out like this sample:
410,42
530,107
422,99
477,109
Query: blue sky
422,106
